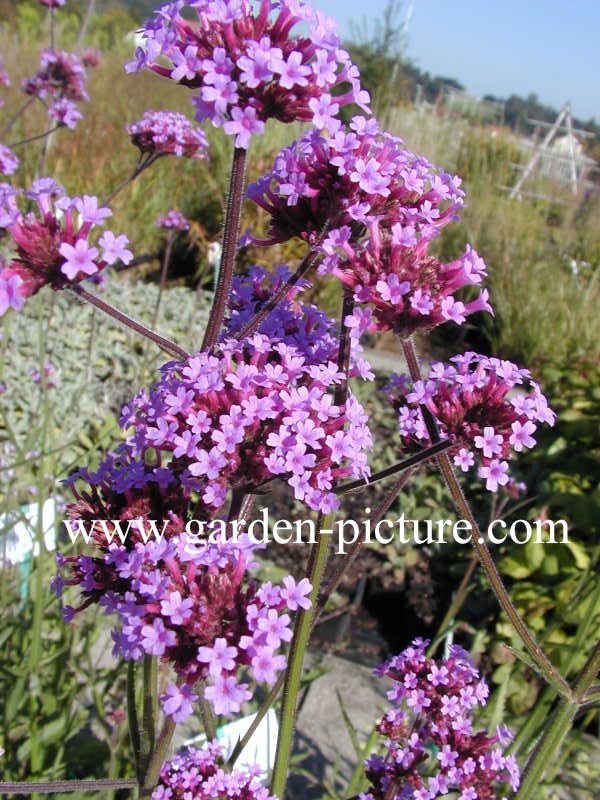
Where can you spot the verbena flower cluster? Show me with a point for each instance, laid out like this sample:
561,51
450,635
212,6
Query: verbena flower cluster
258,410
249,66
61,76
193,606
405,288
174,220
9,162
199,774
55,241
359,175
371,206
488,407
167,133
91,57
302,325
65,113
62,80
432,748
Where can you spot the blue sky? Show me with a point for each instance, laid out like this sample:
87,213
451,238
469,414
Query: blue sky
548,47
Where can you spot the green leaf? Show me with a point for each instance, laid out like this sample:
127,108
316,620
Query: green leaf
48,734
15,697
352,732
514,569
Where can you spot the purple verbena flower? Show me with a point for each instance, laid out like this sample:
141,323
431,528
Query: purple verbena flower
300,324
161,133
174,220
340,183
488,407
9,162
370,207
250,66
64,112
61,76
53,240
10,296
193,606
91,57
434,715
200,774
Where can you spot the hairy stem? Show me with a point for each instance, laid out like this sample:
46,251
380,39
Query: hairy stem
230,237
35,138
159,755
355,547
16,115
138,169
53,787
406,463
132,717
124,319
256,321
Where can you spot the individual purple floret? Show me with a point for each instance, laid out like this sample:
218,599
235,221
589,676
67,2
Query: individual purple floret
9,162
10,296
248,64
173,219
432,749
65,113
61,76
52,3
167,133
359,175
199,774
488,407
54,239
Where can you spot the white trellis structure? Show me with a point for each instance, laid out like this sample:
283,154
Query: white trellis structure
559,157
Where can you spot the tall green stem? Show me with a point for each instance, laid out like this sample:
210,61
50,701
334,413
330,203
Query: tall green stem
132,717
294,669
230,236
559,726
159,755
149,712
